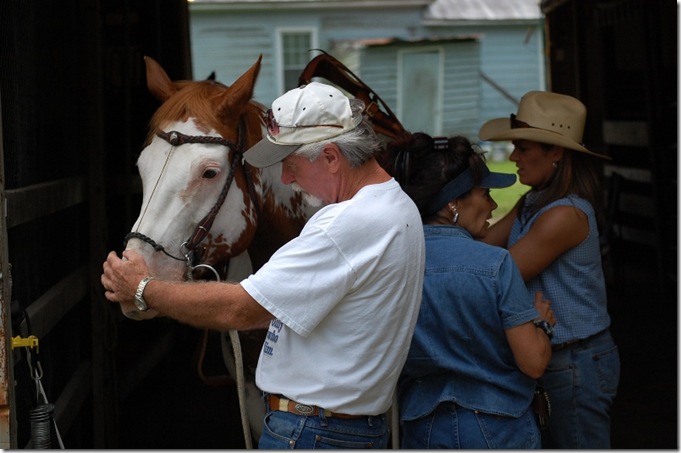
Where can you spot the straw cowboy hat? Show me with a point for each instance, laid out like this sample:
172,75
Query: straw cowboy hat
544,117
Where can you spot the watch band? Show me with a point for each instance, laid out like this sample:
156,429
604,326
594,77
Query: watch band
545,326
140,303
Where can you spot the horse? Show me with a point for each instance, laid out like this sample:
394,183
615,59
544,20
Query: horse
205,212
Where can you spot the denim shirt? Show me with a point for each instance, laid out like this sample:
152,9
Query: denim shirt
472,293
574,282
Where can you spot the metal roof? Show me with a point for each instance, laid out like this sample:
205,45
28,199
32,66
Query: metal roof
483,10
434,10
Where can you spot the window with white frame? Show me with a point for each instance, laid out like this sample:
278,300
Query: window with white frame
295,54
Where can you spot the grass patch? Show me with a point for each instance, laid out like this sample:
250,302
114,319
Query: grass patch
505,198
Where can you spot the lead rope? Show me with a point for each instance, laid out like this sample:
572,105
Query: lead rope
239,364
241,387
395,422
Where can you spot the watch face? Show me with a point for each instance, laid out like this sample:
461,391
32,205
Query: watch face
545,326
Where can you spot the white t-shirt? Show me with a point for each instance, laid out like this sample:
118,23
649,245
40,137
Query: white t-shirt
346,295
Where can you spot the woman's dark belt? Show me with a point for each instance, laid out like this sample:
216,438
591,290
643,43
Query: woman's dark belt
581,342
278,403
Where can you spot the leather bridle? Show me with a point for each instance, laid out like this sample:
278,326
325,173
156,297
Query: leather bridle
191,245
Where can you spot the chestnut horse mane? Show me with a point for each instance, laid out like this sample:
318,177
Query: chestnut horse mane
196,99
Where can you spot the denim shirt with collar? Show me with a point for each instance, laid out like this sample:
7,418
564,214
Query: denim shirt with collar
472,292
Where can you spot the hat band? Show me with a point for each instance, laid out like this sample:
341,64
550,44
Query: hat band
274,128
455,188
517,124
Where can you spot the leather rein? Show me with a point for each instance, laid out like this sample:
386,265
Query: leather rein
191,245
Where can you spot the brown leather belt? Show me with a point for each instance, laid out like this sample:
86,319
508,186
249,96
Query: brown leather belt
580,342
278,403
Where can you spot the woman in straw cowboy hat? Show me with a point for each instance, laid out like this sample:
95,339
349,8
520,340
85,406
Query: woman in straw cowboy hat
552,234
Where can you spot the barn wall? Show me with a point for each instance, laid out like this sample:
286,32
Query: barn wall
47,126
74,114
620,59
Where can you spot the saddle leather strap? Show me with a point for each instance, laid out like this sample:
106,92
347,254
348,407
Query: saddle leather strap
384,121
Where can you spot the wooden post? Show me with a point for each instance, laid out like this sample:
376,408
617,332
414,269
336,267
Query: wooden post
8,423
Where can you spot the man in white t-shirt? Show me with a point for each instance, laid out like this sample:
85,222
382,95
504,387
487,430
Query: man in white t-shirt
341,300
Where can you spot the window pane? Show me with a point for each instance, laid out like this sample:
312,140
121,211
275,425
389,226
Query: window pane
296,46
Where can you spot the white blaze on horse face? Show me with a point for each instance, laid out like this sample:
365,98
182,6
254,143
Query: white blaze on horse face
180,186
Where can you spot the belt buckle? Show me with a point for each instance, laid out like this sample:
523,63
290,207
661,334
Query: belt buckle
303,409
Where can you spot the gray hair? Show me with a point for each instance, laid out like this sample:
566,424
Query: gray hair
357,145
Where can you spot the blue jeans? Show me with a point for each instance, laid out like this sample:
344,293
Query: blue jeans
581,381
284,430
452,426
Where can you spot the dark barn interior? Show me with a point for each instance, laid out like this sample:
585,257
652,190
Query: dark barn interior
74,110
620,58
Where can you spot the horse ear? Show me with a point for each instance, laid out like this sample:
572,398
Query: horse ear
158,82
240,92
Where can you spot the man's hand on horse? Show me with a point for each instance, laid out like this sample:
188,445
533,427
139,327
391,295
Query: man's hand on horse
122,275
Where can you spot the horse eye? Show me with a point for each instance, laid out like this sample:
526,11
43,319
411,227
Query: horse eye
210,174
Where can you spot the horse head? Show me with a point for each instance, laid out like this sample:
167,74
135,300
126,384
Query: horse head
201,203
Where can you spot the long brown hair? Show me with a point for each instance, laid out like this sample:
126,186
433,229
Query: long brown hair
578,174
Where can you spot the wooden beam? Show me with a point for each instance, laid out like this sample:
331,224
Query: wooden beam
49,308
8,419
32,202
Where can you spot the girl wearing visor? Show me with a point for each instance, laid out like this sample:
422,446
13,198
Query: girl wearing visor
476,353
552,234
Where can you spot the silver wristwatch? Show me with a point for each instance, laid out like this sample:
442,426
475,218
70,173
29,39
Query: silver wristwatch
140,303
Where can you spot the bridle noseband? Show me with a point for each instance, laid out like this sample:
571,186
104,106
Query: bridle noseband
191,245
